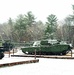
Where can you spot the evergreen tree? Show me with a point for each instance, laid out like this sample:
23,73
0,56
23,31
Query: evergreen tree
51,26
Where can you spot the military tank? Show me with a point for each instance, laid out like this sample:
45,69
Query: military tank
48,47
6,46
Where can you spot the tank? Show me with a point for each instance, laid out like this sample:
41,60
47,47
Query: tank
48,47
6,46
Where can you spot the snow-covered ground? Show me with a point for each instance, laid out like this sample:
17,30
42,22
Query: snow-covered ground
43,67
8,59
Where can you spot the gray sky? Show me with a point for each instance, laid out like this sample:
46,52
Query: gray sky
40,8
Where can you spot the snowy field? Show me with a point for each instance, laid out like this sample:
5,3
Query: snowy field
43,67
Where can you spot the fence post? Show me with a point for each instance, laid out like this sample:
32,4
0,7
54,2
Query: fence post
13,51
40,52
71,53
35,53
9,52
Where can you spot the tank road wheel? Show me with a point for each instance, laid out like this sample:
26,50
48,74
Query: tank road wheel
63,53
1,55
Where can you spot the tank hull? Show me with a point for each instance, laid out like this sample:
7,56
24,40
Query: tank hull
48,50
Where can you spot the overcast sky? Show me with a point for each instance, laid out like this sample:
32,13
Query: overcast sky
40,8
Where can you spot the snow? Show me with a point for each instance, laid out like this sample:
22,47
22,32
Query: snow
45,66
